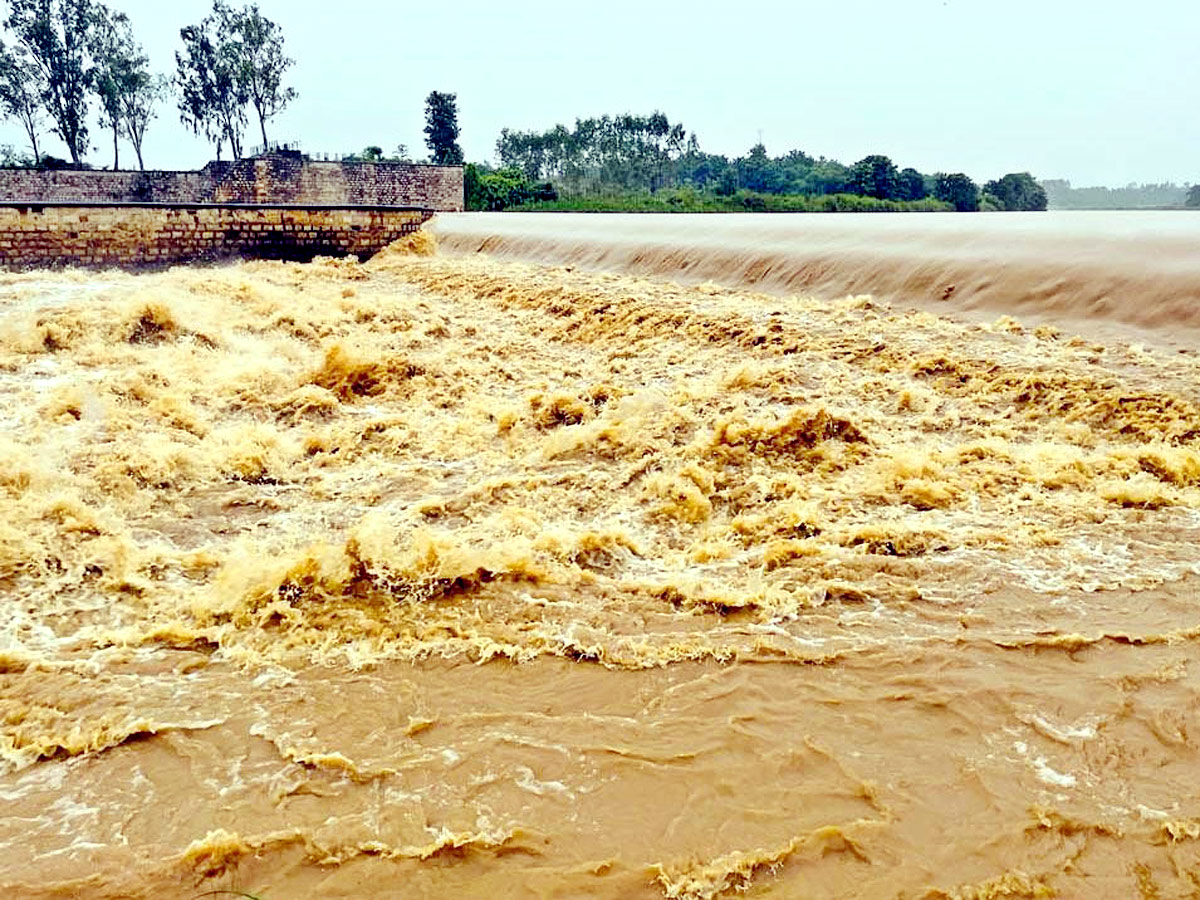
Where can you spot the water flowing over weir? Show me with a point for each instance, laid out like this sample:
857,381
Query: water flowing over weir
446,575
1139,268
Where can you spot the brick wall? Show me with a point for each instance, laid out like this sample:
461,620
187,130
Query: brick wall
273,179
34,236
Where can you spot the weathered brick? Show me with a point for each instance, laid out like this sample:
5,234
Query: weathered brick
131,235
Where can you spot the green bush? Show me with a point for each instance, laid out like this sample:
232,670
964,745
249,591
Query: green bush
990,203
502,189
1017,192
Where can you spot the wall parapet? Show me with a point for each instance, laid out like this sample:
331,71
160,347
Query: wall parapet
123,204
276,178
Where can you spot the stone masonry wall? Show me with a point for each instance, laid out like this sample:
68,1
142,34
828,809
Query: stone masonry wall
279,179
35,236
286,179
88,186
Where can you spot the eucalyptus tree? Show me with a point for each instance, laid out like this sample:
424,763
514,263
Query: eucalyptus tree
59,36
138,107
628,152
231,59
21,90
261,64
119,68
212,97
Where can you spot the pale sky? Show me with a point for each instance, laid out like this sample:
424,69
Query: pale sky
1098,92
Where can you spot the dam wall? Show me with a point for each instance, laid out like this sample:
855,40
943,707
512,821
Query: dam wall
88,186
285,178
277,206
275,178
129,235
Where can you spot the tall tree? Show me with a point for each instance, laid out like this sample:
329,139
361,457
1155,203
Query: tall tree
755,171
1193,197
119,65
58,34
876,176
21,89
958,190
212,97
441,129
257,46
138,108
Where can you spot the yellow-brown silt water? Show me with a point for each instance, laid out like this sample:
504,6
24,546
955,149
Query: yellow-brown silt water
446,575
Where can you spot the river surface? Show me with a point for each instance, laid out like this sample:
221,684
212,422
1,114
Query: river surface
631,557
1083,268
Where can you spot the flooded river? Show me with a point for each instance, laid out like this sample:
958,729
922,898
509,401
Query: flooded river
631,557
1079,268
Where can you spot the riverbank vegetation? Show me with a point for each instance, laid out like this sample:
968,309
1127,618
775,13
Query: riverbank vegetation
690,200
636,163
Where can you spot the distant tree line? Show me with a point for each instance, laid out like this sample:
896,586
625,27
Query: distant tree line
62,59
1133,196
619,155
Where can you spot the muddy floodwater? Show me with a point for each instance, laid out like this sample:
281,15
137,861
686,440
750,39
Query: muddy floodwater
752,562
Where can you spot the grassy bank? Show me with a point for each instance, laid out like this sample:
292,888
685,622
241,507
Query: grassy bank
684,200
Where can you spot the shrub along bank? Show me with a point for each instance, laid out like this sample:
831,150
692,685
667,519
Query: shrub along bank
685,200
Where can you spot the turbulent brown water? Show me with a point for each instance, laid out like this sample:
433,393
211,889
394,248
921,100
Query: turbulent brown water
448,575
1078,268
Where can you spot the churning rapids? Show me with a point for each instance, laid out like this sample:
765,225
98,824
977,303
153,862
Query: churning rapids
608,562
